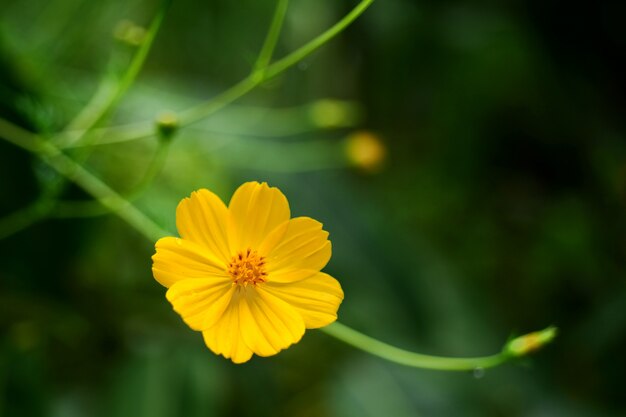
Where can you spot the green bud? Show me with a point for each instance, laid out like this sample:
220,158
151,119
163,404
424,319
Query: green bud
523,345
129,33
329,114
167,125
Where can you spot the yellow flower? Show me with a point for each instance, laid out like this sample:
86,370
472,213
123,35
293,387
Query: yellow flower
247,276
366,150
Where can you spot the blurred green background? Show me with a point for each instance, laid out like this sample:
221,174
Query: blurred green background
498,210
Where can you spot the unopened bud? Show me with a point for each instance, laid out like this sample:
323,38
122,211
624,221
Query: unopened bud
523,345
329,114
167,125
129,33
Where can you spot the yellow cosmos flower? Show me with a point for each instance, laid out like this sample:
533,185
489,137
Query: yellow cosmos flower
247,276
366,150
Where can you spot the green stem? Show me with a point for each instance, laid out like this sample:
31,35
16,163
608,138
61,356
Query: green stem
137,62
96,110
23,218
306,50
272,36
104,194
407,358
18,136
257,77
112,134
93,208
277,122
91,111
99,108
76,173
202,111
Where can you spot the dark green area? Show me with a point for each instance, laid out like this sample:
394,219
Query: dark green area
500,209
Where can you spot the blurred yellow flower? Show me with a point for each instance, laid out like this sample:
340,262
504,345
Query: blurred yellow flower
366,151
247,276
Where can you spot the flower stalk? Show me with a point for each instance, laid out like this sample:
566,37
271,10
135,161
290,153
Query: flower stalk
272,36
391,353
258,76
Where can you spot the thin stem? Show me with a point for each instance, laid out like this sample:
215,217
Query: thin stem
108,135
87,116
23,218
306,50
138,60
93,208
18,136
104,194
276,122
76,173
204,110
272,36
101,106
405,357
96,110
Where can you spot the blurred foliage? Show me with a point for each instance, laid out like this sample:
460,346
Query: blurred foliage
500,206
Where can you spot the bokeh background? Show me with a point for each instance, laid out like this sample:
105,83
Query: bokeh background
487,199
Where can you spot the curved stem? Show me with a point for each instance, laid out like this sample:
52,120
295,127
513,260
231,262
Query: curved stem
112,134
306,50
96,110
87,116
93,208
276,122
18,136
405,357
75,172
138,60
24,217
257,77
104,101
206,109
104,194
272,36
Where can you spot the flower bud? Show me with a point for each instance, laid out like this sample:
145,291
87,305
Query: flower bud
329,114
167,125
129,33
523,345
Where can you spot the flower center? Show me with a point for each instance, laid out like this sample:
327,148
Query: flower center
247,267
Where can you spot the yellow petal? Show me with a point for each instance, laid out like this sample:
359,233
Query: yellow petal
273,239
255,210
178,259
203,218
286,275
316,298
267,323
202,301
224,338
304,246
